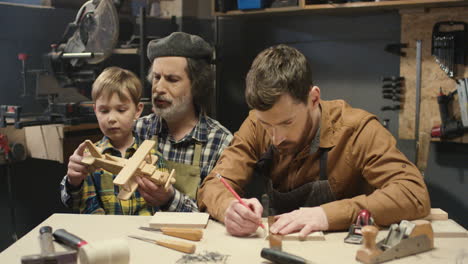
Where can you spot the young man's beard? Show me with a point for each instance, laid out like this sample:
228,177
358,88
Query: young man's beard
285,147
293,147
175,110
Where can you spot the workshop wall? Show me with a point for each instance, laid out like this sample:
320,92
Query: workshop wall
348,60
30,31
35,183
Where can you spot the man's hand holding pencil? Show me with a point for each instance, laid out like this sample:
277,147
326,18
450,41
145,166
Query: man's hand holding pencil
243,216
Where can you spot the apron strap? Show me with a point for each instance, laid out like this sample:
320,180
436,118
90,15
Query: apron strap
323,163
155,138
197,154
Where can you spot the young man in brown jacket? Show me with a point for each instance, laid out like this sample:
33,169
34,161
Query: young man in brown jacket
321,161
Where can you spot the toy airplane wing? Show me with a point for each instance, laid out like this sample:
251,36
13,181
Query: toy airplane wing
134,162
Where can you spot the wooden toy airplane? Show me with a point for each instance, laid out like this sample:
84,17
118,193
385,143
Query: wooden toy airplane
141,164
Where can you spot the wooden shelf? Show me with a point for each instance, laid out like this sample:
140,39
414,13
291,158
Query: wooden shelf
125,51
381,5
25,5
84,126
260,11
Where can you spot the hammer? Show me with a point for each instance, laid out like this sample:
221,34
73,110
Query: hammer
48,254
103,252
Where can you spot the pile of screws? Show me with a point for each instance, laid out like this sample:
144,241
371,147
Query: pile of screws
205,257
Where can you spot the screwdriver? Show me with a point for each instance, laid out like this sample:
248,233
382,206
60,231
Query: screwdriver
176,245
185,233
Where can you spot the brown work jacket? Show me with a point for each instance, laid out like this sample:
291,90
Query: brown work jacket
365,169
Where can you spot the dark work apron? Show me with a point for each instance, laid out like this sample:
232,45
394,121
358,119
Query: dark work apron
308,195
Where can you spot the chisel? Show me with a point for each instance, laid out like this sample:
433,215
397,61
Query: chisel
185,233
176,245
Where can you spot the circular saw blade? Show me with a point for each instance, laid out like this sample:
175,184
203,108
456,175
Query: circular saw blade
97,32
104,34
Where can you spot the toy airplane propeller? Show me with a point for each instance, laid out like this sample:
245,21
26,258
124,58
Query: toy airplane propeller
140,164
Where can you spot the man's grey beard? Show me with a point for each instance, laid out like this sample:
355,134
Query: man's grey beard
176,110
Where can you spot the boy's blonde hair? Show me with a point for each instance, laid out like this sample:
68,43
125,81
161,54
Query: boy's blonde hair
115,80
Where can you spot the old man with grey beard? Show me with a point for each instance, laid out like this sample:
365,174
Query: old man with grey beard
189,140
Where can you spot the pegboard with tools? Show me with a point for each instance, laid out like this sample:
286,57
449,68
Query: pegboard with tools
392,89
449,45
418,25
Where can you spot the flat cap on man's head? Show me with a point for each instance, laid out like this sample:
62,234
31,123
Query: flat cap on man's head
179,44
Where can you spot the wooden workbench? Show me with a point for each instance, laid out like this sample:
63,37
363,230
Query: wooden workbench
241,250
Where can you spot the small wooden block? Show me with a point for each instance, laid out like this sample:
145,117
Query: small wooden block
177,219
275,240
448,228
314,236
436,214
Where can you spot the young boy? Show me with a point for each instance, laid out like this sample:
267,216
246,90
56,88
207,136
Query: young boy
116,95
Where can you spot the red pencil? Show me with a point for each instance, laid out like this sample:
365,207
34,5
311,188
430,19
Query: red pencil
234,193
